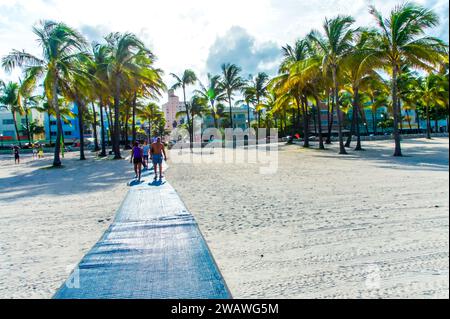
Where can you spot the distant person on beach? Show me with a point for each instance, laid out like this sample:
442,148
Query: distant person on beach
35,151
16,151
146,151
41,151
136,158
156,152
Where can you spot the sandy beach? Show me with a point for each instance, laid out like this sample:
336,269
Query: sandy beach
324,226
49,218
365,225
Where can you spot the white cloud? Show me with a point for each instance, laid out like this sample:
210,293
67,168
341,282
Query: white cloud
181,32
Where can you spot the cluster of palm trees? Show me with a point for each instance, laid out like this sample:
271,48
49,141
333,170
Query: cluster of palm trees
337,71
118,75
343,65
340,70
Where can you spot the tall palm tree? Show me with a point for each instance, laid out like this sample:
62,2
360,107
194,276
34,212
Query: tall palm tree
187,78
335,46
10,99
214,94
429,92
125,52
77,89
249,98
401,40
61,47
357,68
231,82
100,88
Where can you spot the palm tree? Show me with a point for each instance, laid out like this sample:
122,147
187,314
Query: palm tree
61,47
214,94
231,82
126,51
10,99
336,45
429,92
151,113
187,78
401,41
101,89
357,69
77,89
65,112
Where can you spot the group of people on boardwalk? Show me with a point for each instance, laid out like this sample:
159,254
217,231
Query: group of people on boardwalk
142,154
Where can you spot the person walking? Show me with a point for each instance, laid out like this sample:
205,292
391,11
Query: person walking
146,151
16,152
156,152
136,159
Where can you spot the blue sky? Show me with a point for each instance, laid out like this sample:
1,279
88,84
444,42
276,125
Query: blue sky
196,34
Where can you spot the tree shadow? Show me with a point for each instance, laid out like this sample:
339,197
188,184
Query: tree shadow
416,155
76,177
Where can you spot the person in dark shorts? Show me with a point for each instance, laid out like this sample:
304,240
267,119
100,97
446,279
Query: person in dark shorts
16,151
156,152
136,159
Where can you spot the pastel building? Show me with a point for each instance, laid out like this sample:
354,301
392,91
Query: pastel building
171,108
7,129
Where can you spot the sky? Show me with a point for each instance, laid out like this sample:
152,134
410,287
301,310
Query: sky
195,34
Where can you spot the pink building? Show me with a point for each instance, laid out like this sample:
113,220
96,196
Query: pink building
171,108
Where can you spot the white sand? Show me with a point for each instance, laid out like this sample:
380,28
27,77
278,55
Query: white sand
328,226
49,218
363,225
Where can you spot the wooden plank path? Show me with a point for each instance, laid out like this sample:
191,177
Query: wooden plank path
152,250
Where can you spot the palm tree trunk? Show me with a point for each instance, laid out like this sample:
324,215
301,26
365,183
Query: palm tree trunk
374,120
319,124
56,156
133,132
356,110
428,122
231,111
27,122
190,125
305,123
398,149
111,126
330,118
338,109
102,128
126,130
94,128
81,129
49,129
15,126
409,119
116,141
248,116
352,128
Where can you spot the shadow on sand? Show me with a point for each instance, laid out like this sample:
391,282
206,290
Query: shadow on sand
418,154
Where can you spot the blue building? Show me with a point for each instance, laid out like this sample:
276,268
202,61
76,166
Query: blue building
71,129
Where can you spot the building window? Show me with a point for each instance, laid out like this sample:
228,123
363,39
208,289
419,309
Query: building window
67,133
9,133
8,122
53,134
52,122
